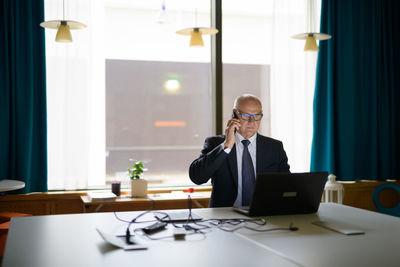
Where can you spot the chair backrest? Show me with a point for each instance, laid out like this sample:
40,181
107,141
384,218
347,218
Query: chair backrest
394,211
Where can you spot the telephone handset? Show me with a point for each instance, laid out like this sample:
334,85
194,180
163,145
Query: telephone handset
234,115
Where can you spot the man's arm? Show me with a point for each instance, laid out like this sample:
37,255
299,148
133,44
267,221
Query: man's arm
283,164
211,158
213,154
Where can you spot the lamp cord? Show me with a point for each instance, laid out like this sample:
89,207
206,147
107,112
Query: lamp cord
195,17
310,16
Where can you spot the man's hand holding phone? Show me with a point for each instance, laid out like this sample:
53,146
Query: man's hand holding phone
232,126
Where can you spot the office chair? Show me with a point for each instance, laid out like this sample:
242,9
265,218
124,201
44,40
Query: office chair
394,211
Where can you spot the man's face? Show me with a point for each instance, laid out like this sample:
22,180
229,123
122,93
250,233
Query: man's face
248,128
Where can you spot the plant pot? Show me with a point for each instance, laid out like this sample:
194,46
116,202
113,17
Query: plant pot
139,188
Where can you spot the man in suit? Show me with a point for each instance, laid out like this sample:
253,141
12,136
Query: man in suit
226,158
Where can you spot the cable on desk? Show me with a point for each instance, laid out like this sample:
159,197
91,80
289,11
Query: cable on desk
186,225
126,221
190,218
165,237
128,233
237,221
220,224
198,229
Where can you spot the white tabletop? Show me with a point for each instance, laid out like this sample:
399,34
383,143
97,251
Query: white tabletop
9,185
71,240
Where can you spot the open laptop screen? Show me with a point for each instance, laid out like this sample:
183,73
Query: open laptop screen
286,193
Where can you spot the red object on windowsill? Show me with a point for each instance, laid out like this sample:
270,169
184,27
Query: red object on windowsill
189,190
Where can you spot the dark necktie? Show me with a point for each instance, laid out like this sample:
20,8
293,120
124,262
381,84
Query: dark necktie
248,177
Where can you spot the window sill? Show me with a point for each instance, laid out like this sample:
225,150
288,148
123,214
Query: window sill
73,194
68,202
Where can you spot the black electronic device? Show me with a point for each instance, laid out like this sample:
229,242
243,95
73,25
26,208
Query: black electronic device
235,116
155,227
285,193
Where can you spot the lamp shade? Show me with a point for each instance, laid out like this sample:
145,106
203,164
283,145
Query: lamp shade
64,28
311,37
196,39
63,33
196,34
311,44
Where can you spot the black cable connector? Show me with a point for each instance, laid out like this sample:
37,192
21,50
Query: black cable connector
128,237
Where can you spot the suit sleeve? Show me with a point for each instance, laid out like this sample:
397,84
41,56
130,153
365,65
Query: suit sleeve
283,164
211,158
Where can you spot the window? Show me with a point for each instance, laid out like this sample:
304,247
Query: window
131,88
158,95
257,44
152,93
246,54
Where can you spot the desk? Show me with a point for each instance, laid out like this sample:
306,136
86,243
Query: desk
71,240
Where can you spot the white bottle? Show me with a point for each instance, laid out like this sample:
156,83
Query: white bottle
333,190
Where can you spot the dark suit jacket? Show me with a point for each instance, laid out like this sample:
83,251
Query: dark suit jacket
222,168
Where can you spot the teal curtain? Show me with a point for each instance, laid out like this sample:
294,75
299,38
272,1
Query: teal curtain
23,147
357,94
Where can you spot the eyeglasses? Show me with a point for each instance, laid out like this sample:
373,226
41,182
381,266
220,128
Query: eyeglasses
247,117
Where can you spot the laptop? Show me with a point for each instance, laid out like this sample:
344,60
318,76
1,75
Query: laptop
285,193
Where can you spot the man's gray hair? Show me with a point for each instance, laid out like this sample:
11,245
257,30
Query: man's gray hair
246,97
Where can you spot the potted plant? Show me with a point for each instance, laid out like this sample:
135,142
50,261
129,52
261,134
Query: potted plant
138,185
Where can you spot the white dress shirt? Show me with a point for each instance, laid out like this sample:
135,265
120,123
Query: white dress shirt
239,155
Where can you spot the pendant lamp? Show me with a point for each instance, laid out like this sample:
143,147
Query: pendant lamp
311,36
63,27
196,33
